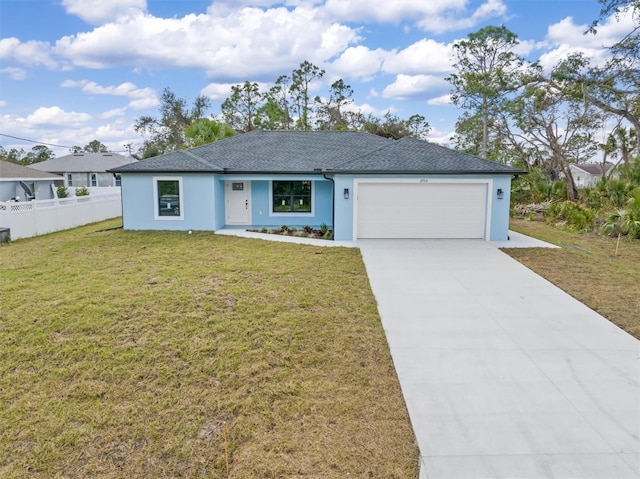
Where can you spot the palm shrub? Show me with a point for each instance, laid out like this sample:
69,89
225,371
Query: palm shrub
616,191
593,198
625,221
572,215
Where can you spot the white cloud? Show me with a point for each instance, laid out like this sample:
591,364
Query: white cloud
440,100
15,73
141,98
243,43
566,37
424,56
441,137
430,15
393,11
217,91
144,103
3,103
452,21
32,53
55,116
412,86
360,62
113,113
221,91
369,109
112,131
97,12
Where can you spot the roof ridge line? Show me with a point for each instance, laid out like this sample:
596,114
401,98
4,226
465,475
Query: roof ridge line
341,165
201,160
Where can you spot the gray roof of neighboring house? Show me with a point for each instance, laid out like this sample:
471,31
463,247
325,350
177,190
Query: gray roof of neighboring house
595,168
315,152
83,163
13,171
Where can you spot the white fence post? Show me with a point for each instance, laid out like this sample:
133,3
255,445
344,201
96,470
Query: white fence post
32,218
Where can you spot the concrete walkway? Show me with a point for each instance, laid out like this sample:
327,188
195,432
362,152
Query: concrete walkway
504,375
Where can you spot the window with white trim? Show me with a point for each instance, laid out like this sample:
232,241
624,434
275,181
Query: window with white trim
94,179
69,179
168,198
291,196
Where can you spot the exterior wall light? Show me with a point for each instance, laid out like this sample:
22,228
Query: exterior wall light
500,193
346,193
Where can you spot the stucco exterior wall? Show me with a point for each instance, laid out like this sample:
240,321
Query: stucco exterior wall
203,202
198,204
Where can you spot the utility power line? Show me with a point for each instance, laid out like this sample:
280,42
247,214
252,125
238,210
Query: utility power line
33,141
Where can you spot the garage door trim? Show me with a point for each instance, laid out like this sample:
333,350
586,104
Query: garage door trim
454,181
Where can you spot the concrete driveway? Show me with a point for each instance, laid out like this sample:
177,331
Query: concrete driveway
504,375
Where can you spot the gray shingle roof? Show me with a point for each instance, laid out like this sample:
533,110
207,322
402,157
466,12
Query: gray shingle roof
176,161
595,168
83,163
14,171
410,155
310,151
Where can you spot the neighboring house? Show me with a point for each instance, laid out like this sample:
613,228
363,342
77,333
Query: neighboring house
360,185
85,169
19,183
588,175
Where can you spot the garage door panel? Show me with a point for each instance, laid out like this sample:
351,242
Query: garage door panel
421,210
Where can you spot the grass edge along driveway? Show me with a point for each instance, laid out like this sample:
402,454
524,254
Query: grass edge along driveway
162,354
585,266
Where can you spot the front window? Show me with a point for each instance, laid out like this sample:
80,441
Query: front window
69,179
168,198
118,180
292,196
94,179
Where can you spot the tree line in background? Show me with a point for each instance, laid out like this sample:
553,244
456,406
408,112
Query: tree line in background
41,153
287,105
543,121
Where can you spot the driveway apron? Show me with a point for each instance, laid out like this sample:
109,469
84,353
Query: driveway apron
504,375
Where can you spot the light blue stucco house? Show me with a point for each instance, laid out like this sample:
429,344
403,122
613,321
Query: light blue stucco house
358,184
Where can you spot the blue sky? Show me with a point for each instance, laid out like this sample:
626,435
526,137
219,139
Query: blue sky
76,70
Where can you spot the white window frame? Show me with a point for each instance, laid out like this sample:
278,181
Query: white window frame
93,177
156,199
292,214
69,179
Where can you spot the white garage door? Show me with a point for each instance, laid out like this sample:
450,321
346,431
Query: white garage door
421,210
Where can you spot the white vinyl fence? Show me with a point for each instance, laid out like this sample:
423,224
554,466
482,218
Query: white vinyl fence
32,218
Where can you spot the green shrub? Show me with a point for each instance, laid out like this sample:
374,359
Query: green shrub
625,221
572,215
593,198
82,191
62,191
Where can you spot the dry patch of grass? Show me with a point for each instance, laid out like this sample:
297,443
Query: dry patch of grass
162,354
586,267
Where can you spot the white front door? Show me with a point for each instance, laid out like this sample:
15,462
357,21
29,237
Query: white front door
238,207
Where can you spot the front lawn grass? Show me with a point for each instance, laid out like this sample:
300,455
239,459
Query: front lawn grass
163,354
586,267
